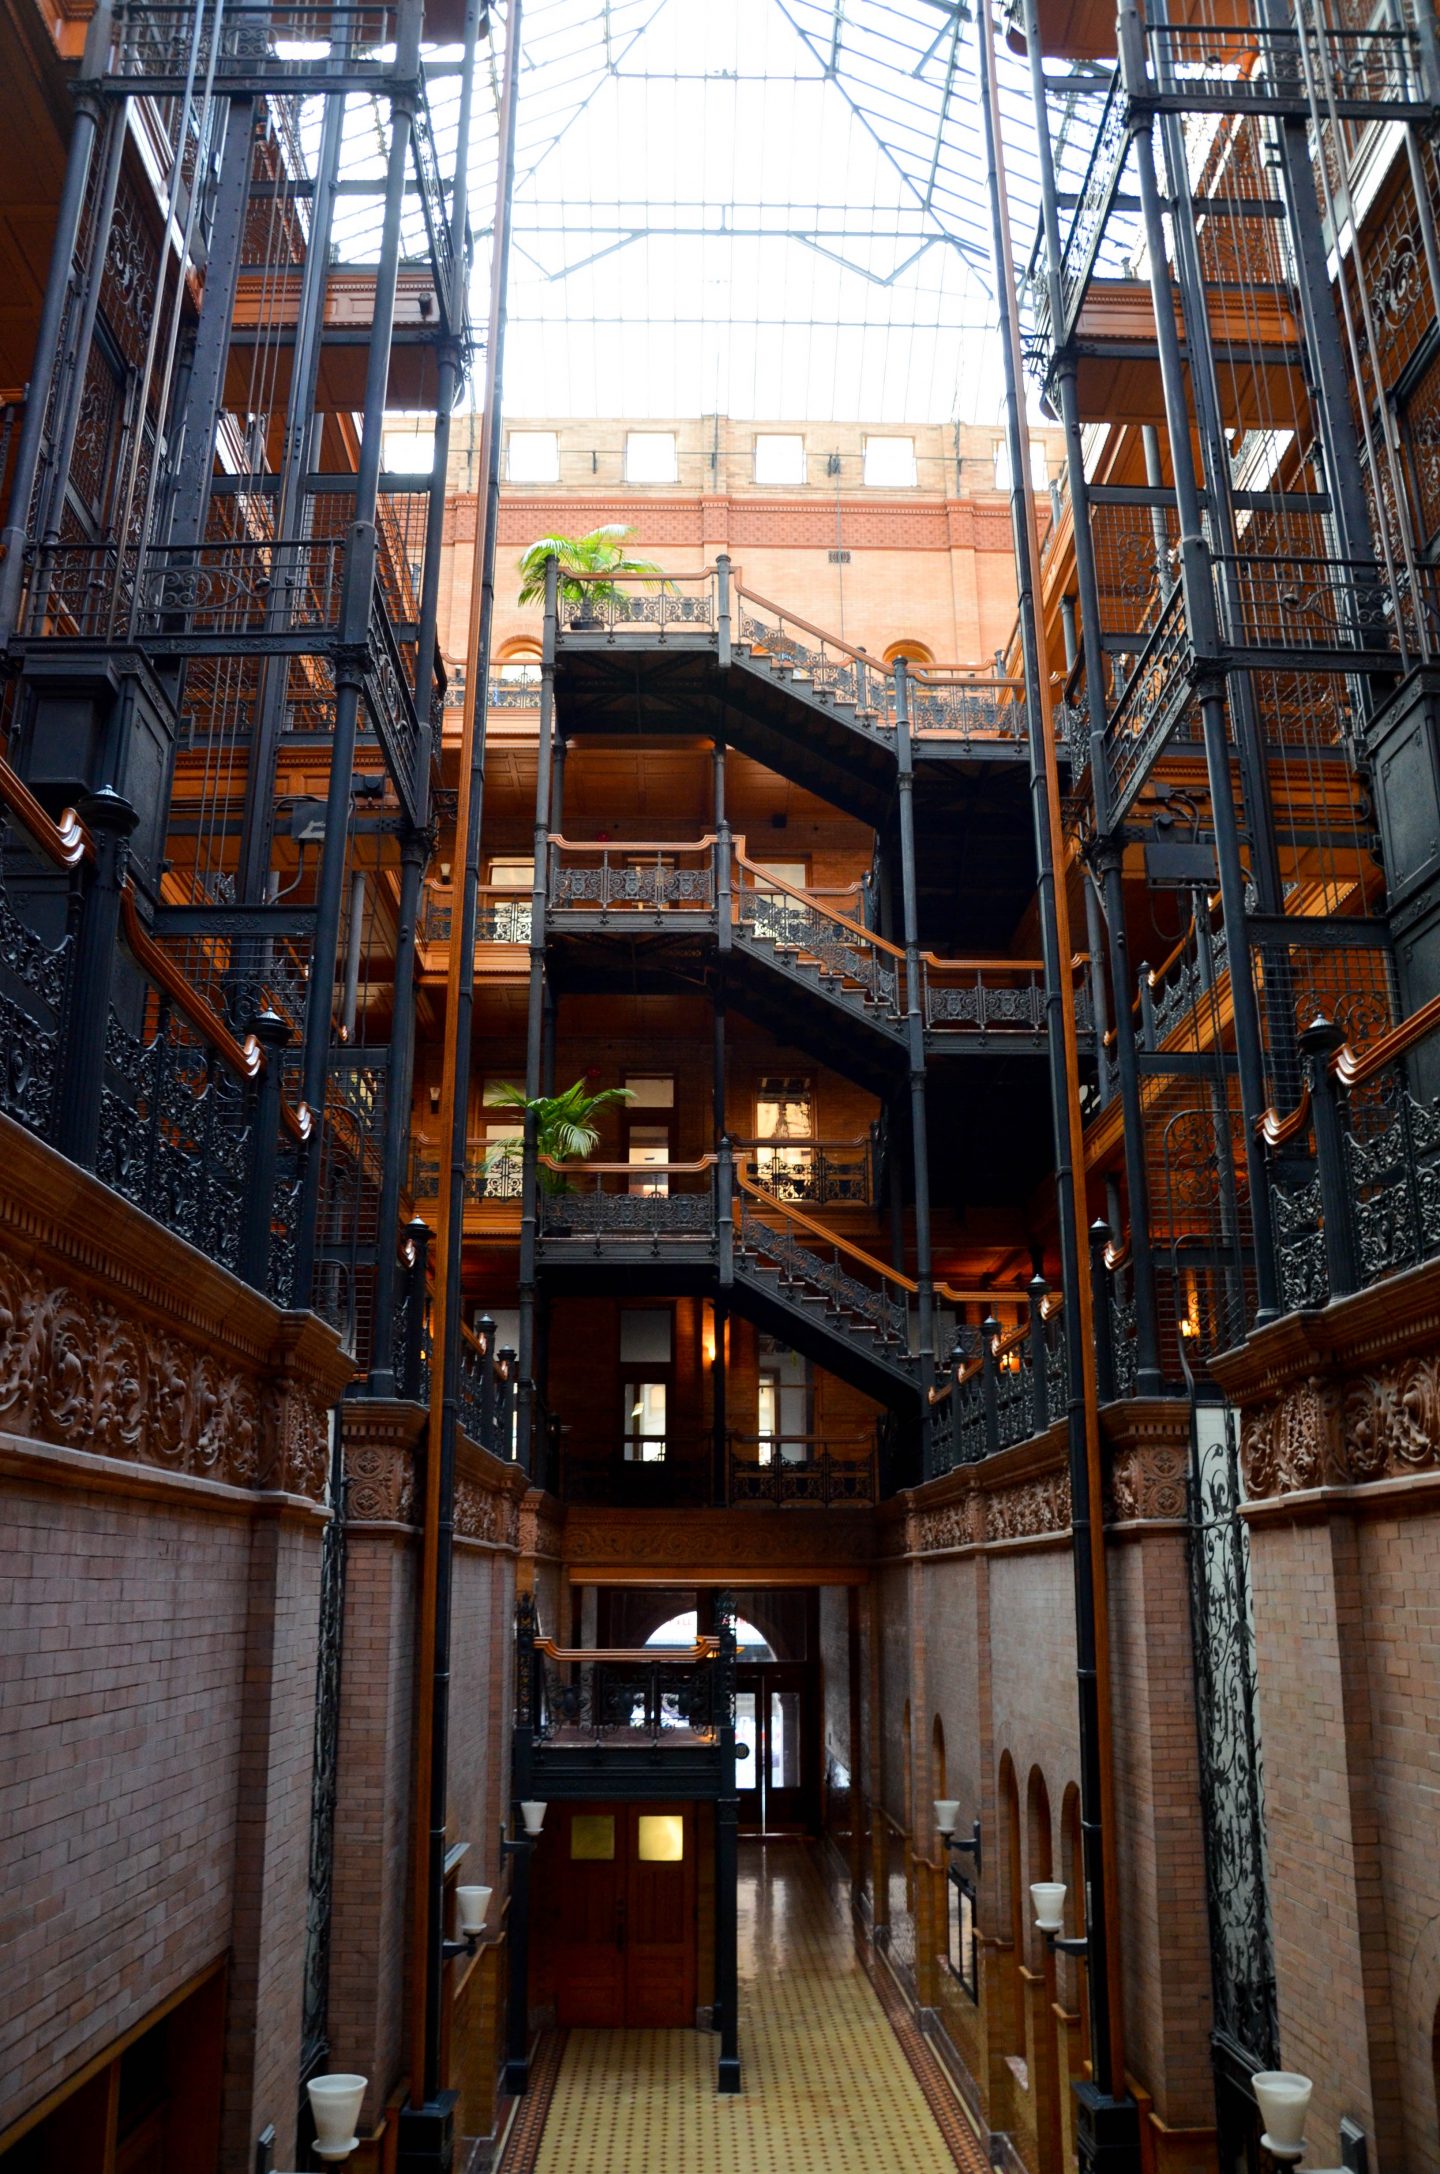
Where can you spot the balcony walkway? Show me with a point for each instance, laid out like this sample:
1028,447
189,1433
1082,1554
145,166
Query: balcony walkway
828,2084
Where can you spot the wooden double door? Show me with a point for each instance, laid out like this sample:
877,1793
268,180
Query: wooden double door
621,1906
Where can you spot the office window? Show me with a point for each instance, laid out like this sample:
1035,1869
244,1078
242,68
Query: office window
533,456
650,456
779,458
650,1091
642,1412
890,464
408,450
660,1838
1039,477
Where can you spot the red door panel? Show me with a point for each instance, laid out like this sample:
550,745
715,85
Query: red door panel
588,1920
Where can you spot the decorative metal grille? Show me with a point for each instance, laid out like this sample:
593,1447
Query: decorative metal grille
1231,1777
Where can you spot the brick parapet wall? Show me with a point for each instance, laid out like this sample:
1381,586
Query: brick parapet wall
1340,1452
163,1468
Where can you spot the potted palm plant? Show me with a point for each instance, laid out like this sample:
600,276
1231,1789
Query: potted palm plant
586,564
565,1127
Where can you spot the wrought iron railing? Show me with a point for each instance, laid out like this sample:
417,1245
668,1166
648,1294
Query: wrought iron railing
1269,66
502,915
155,44
611,603
491,1174
623,1696
1085,227
803,1471
1355,1167
812,1173
1012,1388
624,878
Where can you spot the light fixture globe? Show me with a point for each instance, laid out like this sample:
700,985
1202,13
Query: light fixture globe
532,1811
947,1813
1283,2097
471,1903
335,2104
1048,1896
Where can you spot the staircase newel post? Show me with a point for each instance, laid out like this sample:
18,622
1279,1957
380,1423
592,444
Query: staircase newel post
990,1382
412,1359
92,971
272,1033
1037,1291
1318,1045
1100,1287
485,1331
724,1216
722,609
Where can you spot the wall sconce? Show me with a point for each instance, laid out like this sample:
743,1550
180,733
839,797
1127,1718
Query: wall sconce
1048,1897
947,1811
532,1812
471,1903
335,2104
1283,2097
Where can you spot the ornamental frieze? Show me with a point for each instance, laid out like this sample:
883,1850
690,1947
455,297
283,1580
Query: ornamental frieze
81,1371
1148,1481
1326,1432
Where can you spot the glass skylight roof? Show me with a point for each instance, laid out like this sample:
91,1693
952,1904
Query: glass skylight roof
765,208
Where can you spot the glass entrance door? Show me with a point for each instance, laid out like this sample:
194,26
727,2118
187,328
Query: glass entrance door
777,1719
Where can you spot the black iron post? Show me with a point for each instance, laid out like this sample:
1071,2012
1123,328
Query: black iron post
727,1858
417,1235
272,1033
30,447
485,1330
110,821
1197,577
1037,1290
1318,1045
1107,2117
1108,852
914,1019
1100,1237
990,1382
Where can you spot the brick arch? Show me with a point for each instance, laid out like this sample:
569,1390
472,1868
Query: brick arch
1011,1903
1039,1850
937,1759
912,651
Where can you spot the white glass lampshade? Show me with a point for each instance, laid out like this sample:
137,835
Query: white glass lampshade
1048,1897
335,2103
1284,2100
533,1814
947,1811
471,1903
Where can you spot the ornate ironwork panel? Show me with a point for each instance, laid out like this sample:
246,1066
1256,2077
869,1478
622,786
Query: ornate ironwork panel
1231,1777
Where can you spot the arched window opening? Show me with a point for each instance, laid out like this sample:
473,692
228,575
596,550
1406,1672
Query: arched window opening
1012,1909
1039,1852
937,1759
912,652
683,1630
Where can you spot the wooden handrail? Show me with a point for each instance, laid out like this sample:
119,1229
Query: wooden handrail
1353,1067
705,1648
66,842
861,1140
245,1057
831,641
629,1169
1276,1130
819,1230
808,898
631,845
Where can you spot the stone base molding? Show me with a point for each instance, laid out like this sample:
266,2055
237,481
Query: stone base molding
118,1339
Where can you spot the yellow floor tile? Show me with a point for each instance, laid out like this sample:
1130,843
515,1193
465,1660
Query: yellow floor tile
827,2088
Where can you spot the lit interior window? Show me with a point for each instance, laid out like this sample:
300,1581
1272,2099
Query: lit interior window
592,1837
890,463
660,1839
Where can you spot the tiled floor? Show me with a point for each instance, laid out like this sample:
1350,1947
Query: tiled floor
828,2088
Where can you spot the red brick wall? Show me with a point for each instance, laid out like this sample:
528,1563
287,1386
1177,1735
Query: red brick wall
124,1626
